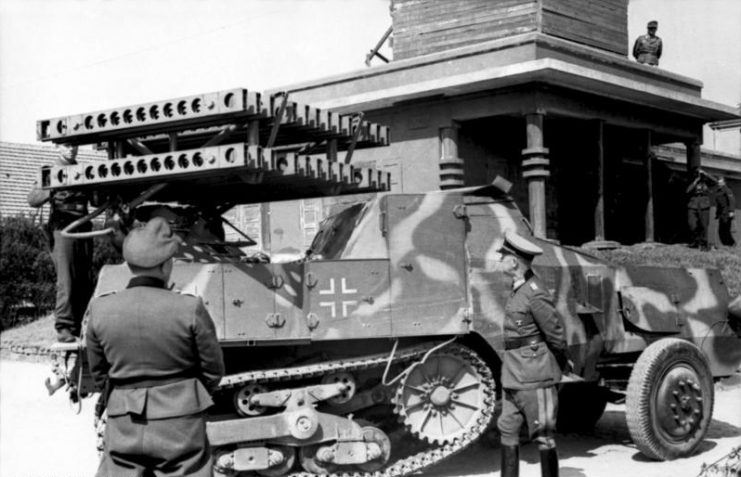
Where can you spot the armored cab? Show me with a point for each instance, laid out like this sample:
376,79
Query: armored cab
390,328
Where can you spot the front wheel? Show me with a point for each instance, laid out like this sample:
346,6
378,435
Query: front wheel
670,399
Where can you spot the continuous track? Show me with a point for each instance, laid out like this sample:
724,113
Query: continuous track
402,466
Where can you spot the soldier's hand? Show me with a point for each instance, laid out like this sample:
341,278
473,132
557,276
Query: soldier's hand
731,215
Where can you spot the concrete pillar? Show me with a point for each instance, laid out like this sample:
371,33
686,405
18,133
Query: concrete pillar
649,215
451,166
535,170
693,154
599,208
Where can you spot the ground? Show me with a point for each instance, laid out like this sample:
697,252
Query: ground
41,436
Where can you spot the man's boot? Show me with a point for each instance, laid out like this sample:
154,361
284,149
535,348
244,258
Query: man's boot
510,461
64,335
549,462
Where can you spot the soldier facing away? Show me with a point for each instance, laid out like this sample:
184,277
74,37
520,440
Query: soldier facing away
647,48
535,355
157,352
725,211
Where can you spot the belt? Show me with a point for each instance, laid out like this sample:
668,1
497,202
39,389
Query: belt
150,382
514,343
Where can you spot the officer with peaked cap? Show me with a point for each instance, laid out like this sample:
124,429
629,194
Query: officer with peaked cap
157,350
535,353
647,48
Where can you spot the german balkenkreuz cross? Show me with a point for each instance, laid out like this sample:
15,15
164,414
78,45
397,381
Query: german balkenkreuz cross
340,297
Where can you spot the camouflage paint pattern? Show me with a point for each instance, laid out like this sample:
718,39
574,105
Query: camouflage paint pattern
423,265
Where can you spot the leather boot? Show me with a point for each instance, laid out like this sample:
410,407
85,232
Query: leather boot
510,461
549,462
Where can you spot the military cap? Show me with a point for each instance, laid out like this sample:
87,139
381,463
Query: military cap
516,244
150,245
653,24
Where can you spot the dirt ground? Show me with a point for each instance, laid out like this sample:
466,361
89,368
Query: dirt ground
43,437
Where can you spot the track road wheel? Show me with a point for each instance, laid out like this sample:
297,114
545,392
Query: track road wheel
287,457
670,399
445,397
311,462
374,434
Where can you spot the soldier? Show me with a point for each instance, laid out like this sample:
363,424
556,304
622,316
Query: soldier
698,210
157,351
725,211
72,257
535,353
647,48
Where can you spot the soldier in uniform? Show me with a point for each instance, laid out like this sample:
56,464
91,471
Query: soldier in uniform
72,257
647,48
157,352
698,210
725,211
535,355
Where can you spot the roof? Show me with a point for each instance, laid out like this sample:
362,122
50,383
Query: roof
19,165
512,61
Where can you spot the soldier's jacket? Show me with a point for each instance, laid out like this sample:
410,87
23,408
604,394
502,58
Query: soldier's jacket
725,202
158,348
530,313
647,49
698,197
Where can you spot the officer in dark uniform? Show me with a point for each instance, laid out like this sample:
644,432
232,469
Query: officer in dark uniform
158,350
73,258
647,48
725,211
535,355
698,210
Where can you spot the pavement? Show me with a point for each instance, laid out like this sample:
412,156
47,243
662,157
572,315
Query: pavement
42,436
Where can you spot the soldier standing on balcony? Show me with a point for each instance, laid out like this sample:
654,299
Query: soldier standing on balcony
73,258
535,355
647,48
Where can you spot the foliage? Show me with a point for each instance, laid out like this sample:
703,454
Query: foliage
26,271
27,276
725,259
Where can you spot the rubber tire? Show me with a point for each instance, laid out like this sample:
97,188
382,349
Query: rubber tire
652,365
580,406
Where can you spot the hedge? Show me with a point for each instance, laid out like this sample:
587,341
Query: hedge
27,277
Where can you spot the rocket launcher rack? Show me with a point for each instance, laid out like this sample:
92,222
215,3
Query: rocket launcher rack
215,143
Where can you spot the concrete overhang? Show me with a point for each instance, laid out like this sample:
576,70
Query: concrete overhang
514,61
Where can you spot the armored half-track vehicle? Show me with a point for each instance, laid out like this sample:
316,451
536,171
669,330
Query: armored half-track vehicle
378,352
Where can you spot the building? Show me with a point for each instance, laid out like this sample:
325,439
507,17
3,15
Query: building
545,95
19,167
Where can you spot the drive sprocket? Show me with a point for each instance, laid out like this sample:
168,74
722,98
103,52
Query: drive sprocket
443,398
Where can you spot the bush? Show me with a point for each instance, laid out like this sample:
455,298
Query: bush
27,276
26,271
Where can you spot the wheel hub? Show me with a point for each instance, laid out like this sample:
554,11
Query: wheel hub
680,403
440,396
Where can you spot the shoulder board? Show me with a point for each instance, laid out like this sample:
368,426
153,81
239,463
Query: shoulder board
108,293
534,286
181,292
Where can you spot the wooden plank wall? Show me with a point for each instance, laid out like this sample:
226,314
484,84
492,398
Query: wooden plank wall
599,23
428,26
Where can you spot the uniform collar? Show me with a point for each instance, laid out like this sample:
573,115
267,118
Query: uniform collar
518,283
146,281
